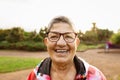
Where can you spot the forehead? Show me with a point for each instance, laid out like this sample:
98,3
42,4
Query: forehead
62,27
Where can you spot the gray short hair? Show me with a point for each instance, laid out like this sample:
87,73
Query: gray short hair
59,19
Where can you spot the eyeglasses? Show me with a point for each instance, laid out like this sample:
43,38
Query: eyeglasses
55,36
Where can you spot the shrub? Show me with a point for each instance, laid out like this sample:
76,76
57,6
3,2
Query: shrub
38,38
115,39
4,45
15,35
23,45
30,46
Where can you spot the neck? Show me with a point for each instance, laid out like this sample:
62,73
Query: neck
62,67
62,71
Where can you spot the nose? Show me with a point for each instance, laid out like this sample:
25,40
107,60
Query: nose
61,42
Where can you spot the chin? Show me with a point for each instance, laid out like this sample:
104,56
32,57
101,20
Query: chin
61,60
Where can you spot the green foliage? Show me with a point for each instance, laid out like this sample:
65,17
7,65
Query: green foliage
43,32
83,47
4,45
10,64
104,34
95,36
115,39
15,35
38,38
4,34
17,38
27,35
23,45
91,36
30,46
32,36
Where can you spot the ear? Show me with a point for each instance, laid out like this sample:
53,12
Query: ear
45,41
77,41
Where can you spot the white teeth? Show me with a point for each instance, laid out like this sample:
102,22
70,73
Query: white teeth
61,51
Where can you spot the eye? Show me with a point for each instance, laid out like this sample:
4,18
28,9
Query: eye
53,36
69,36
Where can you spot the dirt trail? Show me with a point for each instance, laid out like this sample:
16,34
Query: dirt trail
108,63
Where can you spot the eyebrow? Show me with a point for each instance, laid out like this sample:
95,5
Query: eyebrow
60,32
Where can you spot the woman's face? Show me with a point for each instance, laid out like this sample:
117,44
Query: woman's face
61,51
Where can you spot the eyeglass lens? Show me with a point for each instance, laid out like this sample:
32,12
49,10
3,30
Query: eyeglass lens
68,37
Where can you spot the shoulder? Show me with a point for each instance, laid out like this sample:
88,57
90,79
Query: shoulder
36,75
95,74
92,72
33,74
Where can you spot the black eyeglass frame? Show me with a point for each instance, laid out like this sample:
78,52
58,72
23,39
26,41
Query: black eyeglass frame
60,36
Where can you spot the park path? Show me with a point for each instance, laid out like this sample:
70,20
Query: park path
108,63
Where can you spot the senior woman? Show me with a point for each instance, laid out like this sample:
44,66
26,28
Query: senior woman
63,64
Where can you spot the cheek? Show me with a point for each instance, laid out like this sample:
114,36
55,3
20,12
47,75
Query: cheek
50,46
72,46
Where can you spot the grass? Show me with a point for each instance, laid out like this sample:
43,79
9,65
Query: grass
10,64
83,47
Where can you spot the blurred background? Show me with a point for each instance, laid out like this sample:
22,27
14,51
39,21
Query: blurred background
23,25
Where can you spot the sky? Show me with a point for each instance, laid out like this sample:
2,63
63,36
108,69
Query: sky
33,14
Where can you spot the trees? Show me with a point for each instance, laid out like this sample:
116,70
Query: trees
20,39
4,34
104,35
95,35
115,39
43,32
29,36
17,38
15,35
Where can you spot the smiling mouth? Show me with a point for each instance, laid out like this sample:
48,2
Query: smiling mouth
61,51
